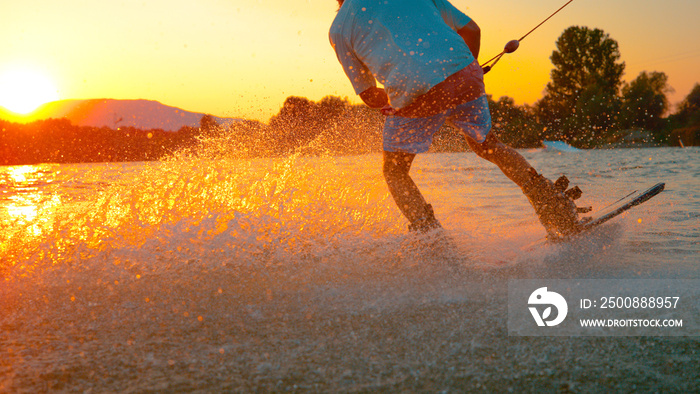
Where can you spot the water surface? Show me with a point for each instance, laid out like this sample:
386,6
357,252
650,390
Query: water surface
220,273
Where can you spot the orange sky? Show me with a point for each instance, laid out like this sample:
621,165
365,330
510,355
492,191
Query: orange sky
242,58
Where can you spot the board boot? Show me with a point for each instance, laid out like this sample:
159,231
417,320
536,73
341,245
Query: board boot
554,204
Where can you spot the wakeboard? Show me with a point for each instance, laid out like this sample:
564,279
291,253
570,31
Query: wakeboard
607,213
616,208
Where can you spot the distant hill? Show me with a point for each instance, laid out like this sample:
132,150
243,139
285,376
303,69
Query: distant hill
142,114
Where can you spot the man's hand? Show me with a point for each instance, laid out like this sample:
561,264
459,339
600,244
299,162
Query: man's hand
375,97
471,34
387,110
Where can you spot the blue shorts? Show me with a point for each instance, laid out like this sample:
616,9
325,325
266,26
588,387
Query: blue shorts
414,135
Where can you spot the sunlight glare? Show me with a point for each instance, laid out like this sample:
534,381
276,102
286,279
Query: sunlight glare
22,90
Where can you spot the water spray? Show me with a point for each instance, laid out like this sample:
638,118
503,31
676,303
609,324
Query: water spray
512,45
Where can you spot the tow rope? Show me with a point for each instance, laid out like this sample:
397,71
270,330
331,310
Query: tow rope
512,45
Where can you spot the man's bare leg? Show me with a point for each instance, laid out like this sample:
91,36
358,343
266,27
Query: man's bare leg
555,208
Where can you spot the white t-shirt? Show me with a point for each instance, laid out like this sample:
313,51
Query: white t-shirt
409,46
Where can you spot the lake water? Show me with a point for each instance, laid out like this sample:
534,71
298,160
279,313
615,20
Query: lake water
222,273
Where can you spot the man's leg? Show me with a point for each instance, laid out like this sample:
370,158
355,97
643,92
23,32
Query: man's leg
405,192
512,163
553,204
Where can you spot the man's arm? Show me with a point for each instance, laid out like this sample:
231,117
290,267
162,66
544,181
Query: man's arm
471,34
375,97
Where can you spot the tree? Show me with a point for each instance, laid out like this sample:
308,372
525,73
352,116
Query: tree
684,125
207,124
581,101
330,108
689,108
515,125
644,100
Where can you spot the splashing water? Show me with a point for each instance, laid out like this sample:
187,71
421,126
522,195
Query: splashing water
129,275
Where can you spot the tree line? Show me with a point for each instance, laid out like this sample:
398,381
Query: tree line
585,104
59,141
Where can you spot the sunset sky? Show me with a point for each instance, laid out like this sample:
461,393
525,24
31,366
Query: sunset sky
242,58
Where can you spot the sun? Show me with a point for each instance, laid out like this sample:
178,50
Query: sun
22,90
